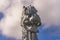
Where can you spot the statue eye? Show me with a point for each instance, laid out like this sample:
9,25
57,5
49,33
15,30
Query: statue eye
1,15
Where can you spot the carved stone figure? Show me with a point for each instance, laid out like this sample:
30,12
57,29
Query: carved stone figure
30,22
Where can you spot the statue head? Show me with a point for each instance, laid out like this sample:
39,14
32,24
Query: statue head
29,10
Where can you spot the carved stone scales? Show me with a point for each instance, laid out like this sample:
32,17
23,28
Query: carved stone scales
30,21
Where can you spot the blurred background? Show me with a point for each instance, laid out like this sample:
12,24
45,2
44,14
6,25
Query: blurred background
48,10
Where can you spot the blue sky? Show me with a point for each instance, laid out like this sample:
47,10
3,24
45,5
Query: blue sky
1,15
51,33
2,37
50,14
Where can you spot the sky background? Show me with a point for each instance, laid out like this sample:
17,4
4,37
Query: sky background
10,14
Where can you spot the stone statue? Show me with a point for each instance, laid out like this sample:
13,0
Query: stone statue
30,21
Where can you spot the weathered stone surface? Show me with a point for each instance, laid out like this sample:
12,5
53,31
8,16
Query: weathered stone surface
30,22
